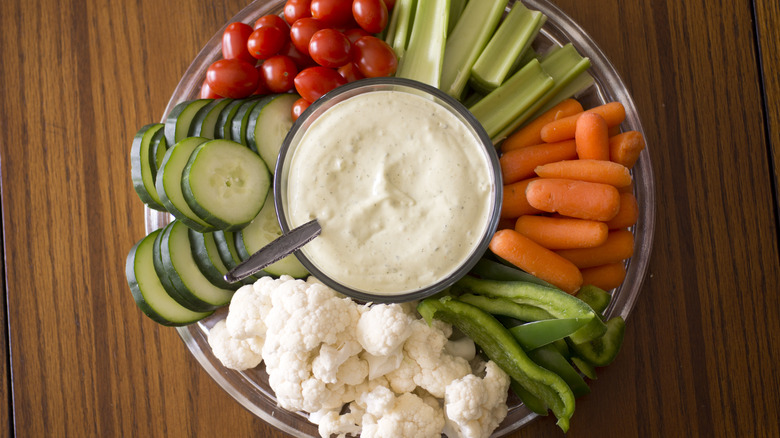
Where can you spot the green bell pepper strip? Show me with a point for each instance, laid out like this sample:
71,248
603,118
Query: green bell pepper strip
506,307
533,403
556,302
500,347
603,350
535,334
550,358
585,368
598,299
491,270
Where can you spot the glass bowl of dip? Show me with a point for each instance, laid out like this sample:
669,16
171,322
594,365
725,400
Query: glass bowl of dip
404,182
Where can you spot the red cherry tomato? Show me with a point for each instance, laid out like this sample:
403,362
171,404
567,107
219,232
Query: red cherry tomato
206,92
333,13
350,72
267,41
355,33
371,15
234,42
301,32
232,78
329,48
272,20
262,88
373,57
314,82
279,73
301,60
299,107
294,10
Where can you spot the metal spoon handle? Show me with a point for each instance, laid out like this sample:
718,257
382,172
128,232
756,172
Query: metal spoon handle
280,248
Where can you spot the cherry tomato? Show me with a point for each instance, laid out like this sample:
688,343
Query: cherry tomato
390,4
262,88
301,32
329,48
350,72
279,73
294,10
314,82
299,107
206,92
267,41
272,20
234,42
371,15
301,60
333,13
232,78
373,57
354,33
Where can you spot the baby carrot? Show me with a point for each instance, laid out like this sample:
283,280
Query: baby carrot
520,163
530,134
606,277
591,137
618,247
562,233
515,203
578,199
627,214
600,171
624,148
563,129
536,260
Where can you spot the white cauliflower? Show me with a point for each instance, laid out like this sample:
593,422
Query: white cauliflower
383,329
476,406
426,347
408,416
249,307
235,353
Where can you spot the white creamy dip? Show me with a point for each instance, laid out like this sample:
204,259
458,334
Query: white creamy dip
402,189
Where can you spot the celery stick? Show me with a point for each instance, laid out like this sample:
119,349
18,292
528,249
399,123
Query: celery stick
400,25
513,98
470,35
422,60
511,40
564,65
456,9
582,82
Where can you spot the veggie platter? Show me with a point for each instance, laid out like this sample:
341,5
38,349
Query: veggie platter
251,387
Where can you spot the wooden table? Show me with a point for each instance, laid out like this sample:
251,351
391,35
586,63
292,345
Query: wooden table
80,77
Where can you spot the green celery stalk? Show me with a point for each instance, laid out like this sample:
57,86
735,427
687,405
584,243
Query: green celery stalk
513,98
564,65
466,41
422,60
582,82
400,25
456,9
510,41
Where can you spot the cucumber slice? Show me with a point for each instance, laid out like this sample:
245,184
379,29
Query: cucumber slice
268,125
148,292
141,166
263,230
193,289
169,180
238,127
225,184
179,120
157,149
225,119
226,247
204,251
205,122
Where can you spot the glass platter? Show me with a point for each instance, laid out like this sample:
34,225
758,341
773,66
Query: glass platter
250,387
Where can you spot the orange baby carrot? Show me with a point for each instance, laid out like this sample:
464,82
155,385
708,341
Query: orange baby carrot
515,203
627,214
624,148
606,277
591,137
562,233
536,260
618,247
600,171
530,134
520,163
563,129
578,199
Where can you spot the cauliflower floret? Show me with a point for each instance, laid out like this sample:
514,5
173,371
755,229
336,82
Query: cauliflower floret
402,378
330,423
235,353
476,406
383,329
249,307
426,346
408,416
326,365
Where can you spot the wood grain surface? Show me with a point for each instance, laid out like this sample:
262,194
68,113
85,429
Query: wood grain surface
79,78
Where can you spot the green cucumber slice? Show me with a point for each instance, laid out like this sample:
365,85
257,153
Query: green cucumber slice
238,127
268,126
204,251
195,291
263,230
169,179
148,292
225,184
157,149
205,122
225,119
141,166
226,247
179,120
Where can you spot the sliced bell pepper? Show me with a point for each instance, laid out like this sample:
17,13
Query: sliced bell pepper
492,270
535,334
603,350
550,358
506,307
598,299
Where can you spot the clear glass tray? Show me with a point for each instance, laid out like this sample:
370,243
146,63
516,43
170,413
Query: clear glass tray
251,389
